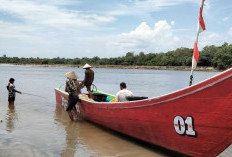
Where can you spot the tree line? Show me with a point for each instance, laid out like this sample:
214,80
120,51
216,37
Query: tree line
219,57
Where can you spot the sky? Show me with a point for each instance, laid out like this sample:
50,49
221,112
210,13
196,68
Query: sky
108,28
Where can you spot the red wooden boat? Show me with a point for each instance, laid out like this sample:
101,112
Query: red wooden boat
196,120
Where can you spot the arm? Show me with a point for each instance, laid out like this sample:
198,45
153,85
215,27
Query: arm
17,91
77,86
66,90
12,88
8,86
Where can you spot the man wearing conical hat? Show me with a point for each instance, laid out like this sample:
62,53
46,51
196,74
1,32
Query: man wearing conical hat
73,88
89,77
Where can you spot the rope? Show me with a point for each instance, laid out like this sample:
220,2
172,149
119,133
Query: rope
94,87
61,85
34,95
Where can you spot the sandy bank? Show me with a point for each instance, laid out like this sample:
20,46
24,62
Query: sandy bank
184,68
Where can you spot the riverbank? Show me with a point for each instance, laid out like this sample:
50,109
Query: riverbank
183,68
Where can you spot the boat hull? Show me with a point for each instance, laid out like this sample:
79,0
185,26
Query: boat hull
196,121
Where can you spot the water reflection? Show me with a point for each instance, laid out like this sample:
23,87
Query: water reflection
11,116
73,147
87,139
71,139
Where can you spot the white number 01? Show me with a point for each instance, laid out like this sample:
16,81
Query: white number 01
184,126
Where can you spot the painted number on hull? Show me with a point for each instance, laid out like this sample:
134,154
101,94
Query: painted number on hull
183,127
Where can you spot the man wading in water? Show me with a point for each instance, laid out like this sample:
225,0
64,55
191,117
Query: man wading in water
11,88
73,88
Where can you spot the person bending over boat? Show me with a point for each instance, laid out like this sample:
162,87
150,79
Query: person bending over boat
11,91
123,93
73,88
89,77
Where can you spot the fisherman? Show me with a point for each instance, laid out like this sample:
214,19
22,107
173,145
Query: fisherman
123,93
89,77
73,88
11,91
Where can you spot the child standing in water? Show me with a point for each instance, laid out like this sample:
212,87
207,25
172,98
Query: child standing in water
11,88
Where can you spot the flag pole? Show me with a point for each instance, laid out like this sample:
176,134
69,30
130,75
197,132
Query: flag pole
201,28
191,78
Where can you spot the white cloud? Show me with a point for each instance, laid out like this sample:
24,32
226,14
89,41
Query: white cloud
138,7
26,41
15,31
230,31
50,15
145,39
45,29
226,18
173,23
59,2
210,38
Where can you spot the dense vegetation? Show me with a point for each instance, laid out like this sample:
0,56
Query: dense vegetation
211,56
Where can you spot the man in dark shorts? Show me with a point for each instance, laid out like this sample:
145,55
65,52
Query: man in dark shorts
89,77
11,88
73,88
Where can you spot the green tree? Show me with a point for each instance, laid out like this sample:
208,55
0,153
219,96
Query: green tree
223,57
207,55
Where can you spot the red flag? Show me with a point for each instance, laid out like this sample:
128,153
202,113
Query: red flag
201,20
201,24
195,56
196,52
201,27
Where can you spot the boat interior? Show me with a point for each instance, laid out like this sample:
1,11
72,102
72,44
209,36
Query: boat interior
99,96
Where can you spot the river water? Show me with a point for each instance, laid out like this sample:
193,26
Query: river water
36,126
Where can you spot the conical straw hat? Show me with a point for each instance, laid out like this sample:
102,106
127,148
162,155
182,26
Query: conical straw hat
86,66
71,75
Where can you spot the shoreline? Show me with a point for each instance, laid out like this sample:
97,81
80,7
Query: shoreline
182,68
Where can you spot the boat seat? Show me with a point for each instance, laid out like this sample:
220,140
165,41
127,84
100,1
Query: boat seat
133,98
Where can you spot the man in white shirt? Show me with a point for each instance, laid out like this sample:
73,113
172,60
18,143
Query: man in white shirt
123,93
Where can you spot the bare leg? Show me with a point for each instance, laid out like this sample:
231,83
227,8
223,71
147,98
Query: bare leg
79,111
75,111
75,116
70,114
11,102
